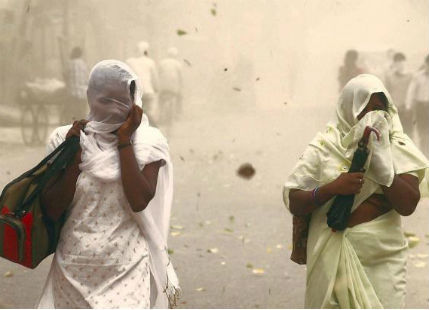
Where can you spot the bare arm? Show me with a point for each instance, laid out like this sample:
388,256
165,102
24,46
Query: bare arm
403,194
303,202
139,186
59,192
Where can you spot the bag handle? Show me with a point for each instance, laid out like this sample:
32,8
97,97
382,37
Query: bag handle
66,152
37,167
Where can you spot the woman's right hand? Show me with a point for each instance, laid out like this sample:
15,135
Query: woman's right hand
75,131
348,183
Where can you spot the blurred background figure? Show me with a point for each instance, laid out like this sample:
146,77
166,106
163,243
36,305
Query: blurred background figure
397,80
145,68
171,87
418,101
76,78
349,69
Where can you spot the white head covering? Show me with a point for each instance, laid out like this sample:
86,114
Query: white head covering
110,101
329,154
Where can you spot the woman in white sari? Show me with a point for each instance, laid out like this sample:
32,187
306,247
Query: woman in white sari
363,266
116,198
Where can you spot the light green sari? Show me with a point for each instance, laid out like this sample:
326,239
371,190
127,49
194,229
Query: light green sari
363,266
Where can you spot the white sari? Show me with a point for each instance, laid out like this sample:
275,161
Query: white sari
363,266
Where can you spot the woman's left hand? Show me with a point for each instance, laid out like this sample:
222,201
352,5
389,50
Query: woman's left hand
133,121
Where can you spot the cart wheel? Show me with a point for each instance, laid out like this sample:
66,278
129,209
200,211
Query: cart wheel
42,119
28,125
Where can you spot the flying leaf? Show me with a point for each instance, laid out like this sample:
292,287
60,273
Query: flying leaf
413,242
258,271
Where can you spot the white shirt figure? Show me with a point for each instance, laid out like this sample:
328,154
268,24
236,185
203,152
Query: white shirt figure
145,68
419,88
170,73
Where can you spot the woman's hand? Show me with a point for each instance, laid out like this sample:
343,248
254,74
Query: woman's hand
133,121
76,128
348,183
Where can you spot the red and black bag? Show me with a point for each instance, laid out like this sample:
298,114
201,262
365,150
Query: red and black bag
27,234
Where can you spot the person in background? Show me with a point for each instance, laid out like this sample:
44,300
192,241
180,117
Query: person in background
396,82
349,69
76,84
171,86
418,102
145,68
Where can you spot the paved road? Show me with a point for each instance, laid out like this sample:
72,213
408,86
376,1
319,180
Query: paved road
224,227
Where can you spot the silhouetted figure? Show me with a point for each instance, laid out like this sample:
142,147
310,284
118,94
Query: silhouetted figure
396,82
171,86
418,102
349,69
145,68
77,73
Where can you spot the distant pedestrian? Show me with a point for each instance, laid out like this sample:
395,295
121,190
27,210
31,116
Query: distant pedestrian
397,81
76,84
349,69
146,70
171,86
418,102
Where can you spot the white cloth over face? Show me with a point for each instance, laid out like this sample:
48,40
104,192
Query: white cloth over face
110,101
363,266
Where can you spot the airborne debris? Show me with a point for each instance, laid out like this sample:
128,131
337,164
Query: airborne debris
246,171
178,227
237,89
8,274
175,233
422,255
213,250
187,62
413,241
213,11
419,264
200,289
409,234
181,32
258,271
232,218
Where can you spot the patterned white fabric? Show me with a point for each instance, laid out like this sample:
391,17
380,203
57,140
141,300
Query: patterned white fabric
110,101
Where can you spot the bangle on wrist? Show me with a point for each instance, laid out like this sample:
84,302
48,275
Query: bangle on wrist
123,145
314,195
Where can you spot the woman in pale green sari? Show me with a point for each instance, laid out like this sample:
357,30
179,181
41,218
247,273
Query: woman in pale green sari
363,266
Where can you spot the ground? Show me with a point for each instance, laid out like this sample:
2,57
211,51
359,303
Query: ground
231,237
